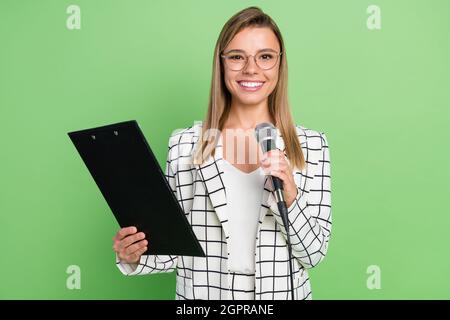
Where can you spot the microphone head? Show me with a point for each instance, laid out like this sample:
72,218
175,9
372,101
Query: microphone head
266,134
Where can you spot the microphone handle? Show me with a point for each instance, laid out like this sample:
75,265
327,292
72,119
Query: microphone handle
277,183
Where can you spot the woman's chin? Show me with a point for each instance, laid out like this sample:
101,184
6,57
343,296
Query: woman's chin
247,100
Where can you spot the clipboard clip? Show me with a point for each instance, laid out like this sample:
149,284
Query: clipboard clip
116,133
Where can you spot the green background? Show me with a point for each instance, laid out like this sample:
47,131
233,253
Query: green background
381,96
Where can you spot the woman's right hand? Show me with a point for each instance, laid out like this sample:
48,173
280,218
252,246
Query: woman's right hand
129,245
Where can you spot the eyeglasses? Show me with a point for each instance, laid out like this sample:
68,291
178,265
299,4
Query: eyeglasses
236,60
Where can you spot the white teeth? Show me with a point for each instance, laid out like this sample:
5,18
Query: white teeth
251,84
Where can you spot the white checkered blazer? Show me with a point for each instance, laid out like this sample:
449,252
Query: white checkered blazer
202,195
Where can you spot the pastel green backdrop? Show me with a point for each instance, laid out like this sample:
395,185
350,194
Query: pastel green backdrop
381,96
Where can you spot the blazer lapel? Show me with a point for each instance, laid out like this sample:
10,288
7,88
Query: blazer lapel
211,173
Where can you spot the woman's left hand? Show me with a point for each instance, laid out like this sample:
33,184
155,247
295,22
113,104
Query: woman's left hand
275,163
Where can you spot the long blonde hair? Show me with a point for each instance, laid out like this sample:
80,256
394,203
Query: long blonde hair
220,98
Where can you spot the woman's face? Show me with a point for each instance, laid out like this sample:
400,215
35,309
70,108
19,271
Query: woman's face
252,85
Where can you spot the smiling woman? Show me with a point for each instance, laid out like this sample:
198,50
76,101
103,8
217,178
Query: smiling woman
240,75
249,84
230,204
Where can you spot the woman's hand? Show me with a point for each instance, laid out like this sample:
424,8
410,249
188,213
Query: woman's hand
275,163
129,245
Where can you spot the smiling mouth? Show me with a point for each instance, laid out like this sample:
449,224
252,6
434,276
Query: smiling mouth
250,85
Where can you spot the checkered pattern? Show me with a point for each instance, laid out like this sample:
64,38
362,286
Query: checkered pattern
202,195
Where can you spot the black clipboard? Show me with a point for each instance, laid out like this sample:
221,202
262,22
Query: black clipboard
133,184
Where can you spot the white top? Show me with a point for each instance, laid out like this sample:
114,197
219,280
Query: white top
244,193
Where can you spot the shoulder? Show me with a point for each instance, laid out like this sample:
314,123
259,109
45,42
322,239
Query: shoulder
184,135
182,141
310,138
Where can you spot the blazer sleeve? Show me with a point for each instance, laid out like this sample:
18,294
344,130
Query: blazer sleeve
309,215
149,264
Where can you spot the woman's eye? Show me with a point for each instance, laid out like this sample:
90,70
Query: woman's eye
236,57
266,56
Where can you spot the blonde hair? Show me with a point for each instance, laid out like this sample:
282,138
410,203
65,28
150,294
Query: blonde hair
220,98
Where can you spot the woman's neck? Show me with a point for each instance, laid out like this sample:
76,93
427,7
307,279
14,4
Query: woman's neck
247,116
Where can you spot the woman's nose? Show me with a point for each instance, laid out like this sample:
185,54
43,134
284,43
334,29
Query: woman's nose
251,66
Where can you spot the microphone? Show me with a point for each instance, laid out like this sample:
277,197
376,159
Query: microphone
266,135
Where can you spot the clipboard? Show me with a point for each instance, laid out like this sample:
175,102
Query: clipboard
133,184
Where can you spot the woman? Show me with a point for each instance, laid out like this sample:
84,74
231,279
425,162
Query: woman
229,202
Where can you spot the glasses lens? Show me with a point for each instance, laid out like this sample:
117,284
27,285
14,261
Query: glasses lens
266,60
235,61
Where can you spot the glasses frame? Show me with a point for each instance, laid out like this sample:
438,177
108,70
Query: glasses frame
247,56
